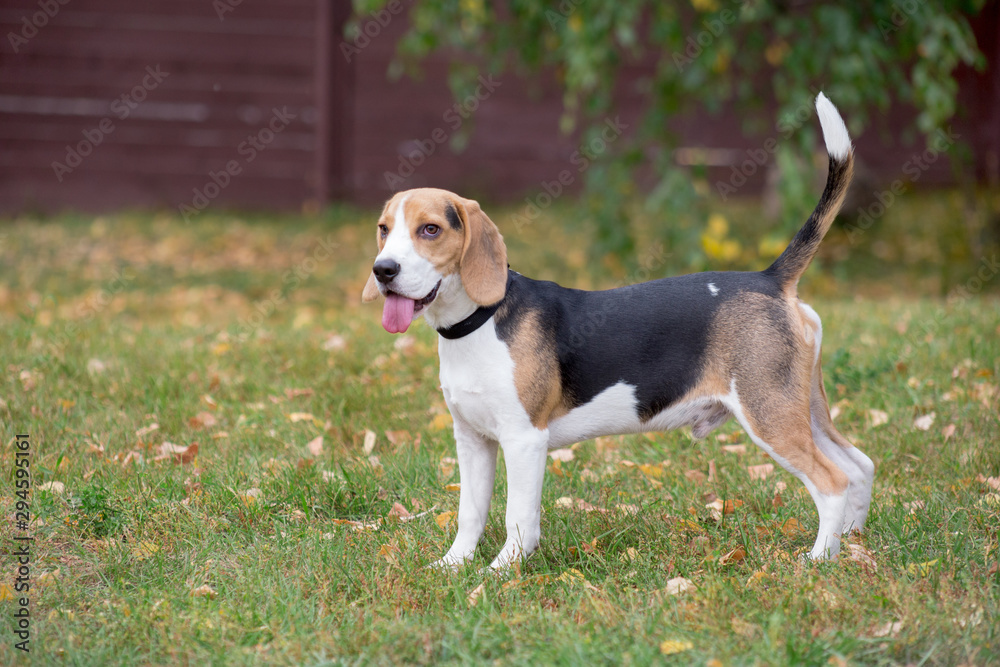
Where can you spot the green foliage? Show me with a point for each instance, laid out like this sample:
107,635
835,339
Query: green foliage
707,54
95,513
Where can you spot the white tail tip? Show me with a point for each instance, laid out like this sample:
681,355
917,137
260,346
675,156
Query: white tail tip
838,141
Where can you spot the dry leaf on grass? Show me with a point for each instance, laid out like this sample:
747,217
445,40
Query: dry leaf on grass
441,421
924,422
446,466
146,430
452,487
737,555
948,431
672,646
203,420
400,512
761,471
369,443
679,585
204,591
315,446
53,487
921,569
878,417
792,528
890,629
296,393
475,594
296,417
444,519
735,449
564,454
178,453
398,437
992,482
696,476
334,342
860,554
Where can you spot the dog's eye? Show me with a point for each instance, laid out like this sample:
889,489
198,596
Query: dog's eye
383,231
430,230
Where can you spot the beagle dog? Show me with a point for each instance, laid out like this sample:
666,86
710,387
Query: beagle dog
528,365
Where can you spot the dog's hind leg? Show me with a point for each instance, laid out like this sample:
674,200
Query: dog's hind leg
859,468
783,430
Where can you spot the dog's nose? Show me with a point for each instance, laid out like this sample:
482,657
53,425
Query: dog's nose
385,270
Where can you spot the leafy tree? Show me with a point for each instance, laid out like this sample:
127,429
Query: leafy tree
707,53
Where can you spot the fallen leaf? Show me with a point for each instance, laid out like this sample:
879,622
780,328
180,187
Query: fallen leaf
651,470
672,646
95,448
203,420
296,417
735,449
179,453
444,519
760,471
204,591
711,471
398,437
53,487
924,423
315,446
296,393
399,512
144,549
914,506
792,528
878,417
737,555
948,431
334,342
369,444
251,496
993,482
452,487
696,476
146,430
475,594
679,585
890,629
134,457
446,466
565,454
6,592
921,569
441,421
860,554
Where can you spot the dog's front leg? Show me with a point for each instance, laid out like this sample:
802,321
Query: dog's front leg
525,455
477,465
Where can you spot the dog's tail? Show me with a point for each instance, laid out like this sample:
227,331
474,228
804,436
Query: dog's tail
792,263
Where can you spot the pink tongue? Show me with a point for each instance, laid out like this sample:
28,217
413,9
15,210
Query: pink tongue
398,313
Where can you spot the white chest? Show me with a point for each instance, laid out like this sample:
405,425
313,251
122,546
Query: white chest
477,378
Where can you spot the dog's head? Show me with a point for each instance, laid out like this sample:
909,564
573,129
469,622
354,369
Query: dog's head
436,250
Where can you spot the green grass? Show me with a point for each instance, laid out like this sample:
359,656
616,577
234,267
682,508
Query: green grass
108,326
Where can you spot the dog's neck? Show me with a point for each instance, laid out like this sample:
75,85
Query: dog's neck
452,304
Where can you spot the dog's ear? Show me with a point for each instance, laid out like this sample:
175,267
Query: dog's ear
483,267
370,292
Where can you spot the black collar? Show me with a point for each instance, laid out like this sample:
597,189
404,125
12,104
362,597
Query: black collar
477,319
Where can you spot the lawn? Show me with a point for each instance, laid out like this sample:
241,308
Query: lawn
232,463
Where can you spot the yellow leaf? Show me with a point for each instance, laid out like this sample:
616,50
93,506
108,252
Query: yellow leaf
446,466
295,417
441,421
6,593
205,591
792,527
921,569
452,487
651,470
220,348
444,518
757,577
144,550
672,646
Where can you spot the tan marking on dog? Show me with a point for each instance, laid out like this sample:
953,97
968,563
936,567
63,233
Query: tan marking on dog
429,207
536,371
772,362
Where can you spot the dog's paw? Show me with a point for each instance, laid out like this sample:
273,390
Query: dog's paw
449,563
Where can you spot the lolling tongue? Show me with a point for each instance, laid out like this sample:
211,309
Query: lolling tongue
398,313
